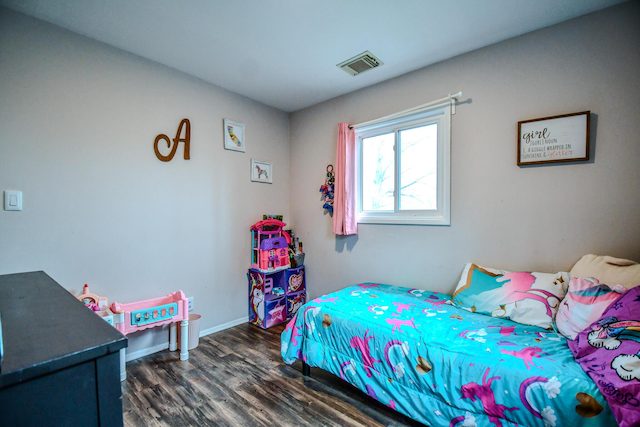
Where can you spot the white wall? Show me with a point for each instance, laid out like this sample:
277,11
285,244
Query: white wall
77,124
536,218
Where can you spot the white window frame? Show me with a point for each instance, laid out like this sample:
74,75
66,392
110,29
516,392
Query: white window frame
440,216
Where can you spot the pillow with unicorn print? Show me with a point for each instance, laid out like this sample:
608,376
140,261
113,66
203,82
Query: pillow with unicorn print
530,298
585,302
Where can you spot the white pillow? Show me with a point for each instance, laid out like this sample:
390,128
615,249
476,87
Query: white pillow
608,270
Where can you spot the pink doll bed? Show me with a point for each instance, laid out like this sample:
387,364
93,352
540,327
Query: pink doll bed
141,315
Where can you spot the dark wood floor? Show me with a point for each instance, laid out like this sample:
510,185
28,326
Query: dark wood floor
237,378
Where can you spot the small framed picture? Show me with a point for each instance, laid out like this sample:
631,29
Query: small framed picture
261,171
234,135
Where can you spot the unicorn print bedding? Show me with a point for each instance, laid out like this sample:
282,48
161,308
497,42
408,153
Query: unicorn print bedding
609,351
441,365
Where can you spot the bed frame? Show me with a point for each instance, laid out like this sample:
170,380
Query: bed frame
306,369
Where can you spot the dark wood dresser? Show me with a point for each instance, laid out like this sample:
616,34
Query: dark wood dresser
61,363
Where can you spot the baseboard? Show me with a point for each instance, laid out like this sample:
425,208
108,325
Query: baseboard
224,326
146,351
156,348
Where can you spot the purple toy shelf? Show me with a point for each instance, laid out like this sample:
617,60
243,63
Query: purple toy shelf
271,297
275,297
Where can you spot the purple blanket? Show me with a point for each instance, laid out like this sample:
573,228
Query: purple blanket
609,352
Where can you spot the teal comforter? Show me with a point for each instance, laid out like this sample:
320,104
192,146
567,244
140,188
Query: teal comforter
441,365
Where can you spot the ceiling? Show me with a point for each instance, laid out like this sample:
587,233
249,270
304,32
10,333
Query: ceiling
284,53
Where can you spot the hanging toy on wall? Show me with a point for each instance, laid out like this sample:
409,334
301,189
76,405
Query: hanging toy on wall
327,190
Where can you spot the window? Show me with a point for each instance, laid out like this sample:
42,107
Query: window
404,169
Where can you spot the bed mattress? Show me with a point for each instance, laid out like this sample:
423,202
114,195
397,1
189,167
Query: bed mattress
441,365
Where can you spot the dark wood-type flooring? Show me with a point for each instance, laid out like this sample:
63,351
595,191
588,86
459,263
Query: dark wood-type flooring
237,378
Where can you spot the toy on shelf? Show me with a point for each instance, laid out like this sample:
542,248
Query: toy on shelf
296,254
100,305
269,246
93,301
141,315
327,189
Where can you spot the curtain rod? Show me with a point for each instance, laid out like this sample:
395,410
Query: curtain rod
452,98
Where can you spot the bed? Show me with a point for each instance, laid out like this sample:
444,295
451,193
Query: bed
441,365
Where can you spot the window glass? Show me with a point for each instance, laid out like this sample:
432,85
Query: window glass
419,168
378,170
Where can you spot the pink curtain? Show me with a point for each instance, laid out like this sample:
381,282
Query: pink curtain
344,205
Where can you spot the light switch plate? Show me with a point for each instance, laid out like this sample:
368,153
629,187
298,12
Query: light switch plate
13,200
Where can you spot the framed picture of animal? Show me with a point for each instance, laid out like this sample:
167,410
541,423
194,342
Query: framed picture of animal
261,171
234,138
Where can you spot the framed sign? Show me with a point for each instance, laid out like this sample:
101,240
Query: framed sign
554,139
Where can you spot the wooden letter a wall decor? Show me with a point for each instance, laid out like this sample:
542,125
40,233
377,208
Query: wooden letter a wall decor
176,140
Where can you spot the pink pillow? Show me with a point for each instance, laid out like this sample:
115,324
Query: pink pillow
585,302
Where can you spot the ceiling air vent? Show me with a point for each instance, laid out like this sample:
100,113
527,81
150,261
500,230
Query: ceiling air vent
360,63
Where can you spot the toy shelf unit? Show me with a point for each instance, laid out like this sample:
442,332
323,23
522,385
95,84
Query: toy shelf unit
275,297
269,246
141,315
